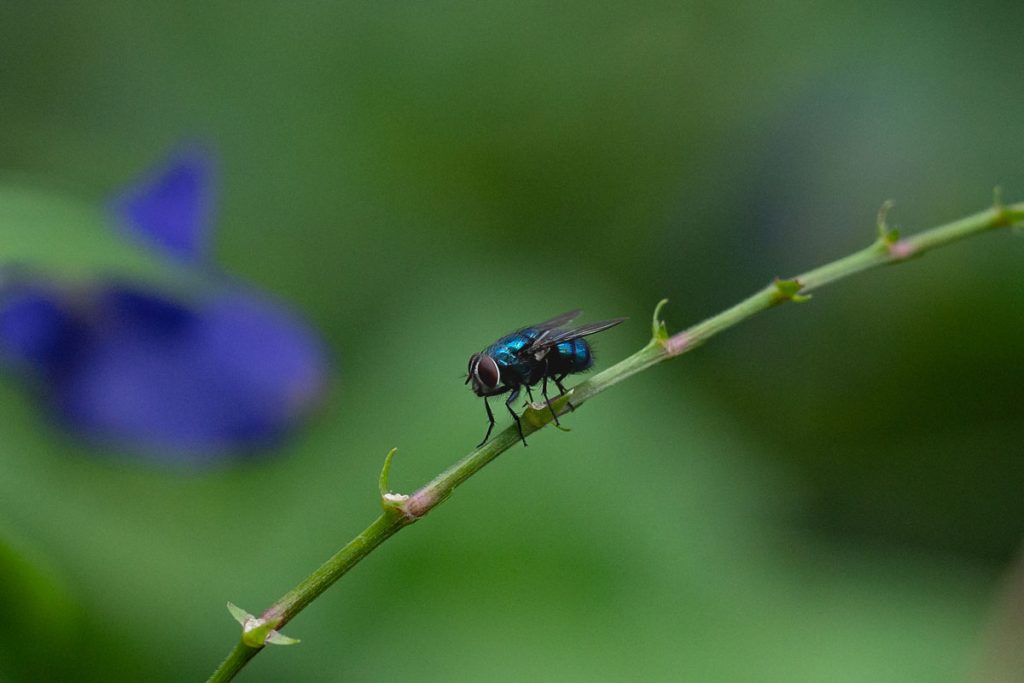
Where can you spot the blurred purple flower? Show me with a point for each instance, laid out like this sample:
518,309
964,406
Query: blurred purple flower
172,207
191,379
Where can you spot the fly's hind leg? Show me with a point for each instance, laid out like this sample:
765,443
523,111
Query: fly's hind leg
561,389
544,392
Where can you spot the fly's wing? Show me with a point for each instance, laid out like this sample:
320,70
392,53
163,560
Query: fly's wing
557,321
549,327
554,337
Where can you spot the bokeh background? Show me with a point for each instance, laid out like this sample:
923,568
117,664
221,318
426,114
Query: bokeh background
831,492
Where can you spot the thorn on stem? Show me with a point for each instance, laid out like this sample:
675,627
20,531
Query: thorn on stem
886,234
1004,215
659,332
388,500
385,472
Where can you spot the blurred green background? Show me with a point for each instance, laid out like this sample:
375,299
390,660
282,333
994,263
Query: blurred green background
831,492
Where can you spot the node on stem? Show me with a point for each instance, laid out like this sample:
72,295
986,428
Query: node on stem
256,631
787,290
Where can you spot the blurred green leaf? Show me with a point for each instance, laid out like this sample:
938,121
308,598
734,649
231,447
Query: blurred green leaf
46,232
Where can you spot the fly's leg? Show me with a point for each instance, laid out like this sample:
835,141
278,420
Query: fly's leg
529,393
508,404
558,383
490,418
544,391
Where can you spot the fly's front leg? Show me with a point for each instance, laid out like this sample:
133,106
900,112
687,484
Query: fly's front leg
508,404
490,418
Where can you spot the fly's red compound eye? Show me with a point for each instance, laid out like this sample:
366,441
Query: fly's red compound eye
487,372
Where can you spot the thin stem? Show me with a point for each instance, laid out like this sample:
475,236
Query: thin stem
234,662
292,602
401,511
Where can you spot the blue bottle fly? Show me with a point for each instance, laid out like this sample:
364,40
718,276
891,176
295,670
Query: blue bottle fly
530,355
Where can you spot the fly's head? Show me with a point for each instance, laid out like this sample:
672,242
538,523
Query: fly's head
484,374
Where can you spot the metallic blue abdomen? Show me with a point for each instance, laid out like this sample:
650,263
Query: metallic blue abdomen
569,357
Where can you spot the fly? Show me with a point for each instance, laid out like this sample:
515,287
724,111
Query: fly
533,354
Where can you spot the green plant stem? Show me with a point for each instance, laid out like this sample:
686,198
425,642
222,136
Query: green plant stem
233,663
401,511
333,569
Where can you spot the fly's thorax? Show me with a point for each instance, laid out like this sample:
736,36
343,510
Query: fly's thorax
515,368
